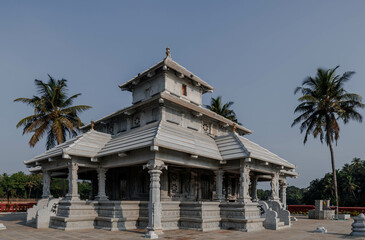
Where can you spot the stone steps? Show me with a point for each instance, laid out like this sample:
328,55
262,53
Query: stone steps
72,223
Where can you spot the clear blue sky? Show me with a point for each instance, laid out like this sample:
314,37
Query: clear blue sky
253,52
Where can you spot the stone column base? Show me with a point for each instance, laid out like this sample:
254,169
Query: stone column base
72,197
101,198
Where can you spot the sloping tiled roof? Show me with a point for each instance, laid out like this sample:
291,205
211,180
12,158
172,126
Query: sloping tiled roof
89,145
166,135
258,152
53,152
85,145
133,139
186,140
232,146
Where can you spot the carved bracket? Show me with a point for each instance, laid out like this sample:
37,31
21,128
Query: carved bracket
155,165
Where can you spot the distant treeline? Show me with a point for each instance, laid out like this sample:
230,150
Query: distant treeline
21,185
351,188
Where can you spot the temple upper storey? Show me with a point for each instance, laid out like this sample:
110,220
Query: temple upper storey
167,92
167,76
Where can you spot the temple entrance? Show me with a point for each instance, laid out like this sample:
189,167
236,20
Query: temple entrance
123,189
205,187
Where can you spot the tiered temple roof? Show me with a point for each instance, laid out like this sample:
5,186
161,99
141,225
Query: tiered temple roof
167,135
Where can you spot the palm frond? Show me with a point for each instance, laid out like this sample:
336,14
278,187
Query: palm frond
53,115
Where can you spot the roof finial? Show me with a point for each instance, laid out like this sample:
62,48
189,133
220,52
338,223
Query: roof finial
168,53
92,125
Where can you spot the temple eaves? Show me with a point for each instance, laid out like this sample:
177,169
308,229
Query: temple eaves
171,98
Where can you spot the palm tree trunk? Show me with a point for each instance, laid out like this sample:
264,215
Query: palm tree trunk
334,174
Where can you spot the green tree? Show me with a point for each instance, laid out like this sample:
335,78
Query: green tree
85,189
294,195
324,101
351,186
19,180
59,187
8,185
224,110
263,194
33,181
53,115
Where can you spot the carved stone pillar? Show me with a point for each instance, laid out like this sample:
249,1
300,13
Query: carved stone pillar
72,182
154,205
244,195
283,186
46,184
101,184
219,184
274,187
254,189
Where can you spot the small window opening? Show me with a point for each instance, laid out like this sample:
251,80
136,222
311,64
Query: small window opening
184,90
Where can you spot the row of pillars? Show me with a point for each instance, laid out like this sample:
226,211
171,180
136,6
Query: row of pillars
72,183
154,207
245,180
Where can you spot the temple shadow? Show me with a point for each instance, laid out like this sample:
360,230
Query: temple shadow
337,235
18,218
13,217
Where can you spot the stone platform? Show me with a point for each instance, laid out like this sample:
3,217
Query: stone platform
131,215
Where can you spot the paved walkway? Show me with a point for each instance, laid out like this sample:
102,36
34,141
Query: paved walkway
300,230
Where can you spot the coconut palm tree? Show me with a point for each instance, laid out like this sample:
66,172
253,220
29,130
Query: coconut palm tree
356,162
53,115
350,186
33,181
323,103
222,109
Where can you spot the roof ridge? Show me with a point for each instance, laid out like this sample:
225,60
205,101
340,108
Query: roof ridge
154,141
76,141
270,152
260,146
235,135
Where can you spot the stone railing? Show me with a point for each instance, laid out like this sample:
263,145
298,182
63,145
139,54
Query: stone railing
41,213
283,214
270,216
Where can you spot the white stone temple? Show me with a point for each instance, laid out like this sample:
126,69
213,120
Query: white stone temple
163,163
